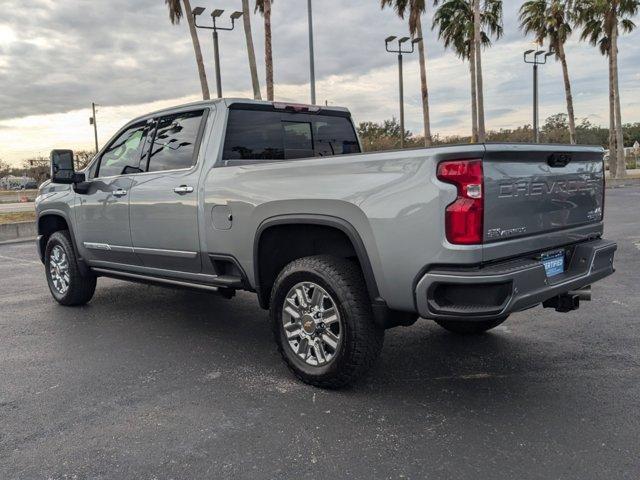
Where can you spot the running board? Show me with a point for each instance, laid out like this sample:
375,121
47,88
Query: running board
221,282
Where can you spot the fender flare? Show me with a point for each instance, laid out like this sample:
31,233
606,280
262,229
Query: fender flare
324,220
84,269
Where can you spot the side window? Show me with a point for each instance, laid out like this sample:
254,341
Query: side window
335,136
253,135
174,144
124,151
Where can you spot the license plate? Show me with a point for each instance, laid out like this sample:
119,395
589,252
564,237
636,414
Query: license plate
553,262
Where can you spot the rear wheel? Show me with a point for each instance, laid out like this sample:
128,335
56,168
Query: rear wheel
470,327
67,285
322,321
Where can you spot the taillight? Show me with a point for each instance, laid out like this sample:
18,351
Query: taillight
464,217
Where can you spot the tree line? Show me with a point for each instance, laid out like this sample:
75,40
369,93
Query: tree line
385,135
39,167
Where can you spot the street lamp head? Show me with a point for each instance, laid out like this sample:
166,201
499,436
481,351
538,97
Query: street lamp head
197,11
216,13
236,15
390,39
529,52
416,40
540,52
404,39
549,54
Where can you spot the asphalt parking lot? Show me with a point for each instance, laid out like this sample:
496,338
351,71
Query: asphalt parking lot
152,383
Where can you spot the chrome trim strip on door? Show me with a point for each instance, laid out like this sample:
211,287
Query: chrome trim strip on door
96,246
107,247
165,253
148,251
118,248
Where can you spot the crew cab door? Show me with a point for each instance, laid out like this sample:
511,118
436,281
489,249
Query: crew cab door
164,199
102,213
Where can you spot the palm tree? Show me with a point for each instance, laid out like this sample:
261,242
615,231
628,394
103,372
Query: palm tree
416,8
253,68
601,22
264,7
549,20
175,14
477,50
454,20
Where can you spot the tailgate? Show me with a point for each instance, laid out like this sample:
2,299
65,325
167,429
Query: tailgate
532,190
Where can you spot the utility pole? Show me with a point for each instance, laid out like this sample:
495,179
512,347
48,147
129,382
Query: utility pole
93,121
400,52
197,11
401,97
536,61
311,55
536,109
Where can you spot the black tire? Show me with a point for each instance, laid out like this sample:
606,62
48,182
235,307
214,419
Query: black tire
470,327
361,339
80,287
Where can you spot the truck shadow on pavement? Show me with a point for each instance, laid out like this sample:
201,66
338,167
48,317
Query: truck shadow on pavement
202,332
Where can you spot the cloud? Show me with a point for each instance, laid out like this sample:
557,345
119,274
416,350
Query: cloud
58,57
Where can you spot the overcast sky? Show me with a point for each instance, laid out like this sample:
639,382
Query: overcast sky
56,57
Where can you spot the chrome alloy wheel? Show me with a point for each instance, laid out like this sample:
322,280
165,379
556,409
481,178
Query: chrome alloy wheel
312,323
59,269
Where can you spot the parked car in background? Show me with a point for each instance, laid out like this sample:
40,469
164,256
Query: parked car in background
12,182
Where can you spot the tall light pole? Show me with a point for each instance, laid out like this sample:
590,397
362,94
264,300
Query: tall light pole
312,67
401,52
94,122
536,58
215,14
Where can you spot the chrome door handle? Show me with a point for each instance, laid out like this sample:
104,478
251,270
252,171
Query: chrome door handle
119,192
182,189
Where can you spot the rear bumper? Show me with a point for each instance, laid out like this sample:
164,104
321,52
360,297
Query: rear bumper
497,290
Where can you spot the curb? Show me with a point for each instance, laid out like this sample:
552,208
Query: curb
622,182
20,231
18,240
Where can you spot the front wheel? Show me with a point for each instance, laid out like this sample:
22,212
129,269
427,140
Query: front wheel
67,284
470,327
322,321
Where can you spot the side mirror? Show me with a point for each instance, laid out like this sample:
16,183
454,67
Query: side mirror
62,170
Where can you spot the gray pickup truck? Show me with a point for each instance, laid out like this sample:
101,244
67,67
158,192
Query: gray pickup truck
339,245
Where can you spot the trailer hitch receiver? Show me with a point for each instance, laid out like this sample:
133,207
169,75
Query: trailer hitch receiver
567,302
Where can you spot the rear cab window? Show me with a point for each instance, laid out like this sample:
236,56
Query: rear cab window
255,135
